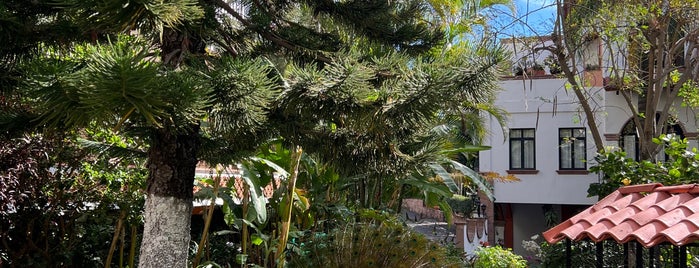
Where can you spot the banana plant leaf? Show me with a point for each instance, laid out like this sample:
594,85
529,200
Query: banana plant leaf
445,176
274,166
427,186
476,178
250,177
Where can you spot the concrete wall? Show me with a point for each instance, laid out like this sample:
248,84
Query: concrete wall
618,113
546,105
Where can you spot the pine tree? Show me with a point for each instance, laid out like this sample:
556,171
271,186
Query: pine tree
163,83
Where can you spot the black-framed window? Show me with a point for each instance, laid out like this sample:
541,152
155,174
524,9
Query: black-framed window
572,144
522,149
629,141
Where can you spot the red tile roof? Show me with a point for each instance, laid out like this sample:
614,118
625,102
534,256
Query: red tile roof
649,213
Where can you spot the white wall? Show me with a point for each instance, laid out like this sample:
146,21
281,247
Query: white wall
618,113
543,104
546,104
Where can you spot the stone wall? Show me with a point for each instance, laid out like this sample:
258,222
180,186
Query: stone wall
414,209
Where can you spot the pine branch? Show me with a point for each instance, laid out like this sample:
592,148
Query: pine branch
274,38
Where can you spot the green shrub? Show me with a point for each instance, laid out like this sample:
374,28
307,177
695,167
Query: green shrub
461,205
377,240
497,257
59,210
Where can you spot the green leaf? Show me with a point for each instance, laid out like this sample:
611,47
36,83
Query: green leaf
256,239
447,210
467,149
283,209
675,173
257,199
476,178
228,215
445,176
432,187
274,166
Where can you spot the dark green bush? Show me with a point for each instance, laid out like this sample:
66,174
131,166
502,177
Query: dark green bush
57,210
376,240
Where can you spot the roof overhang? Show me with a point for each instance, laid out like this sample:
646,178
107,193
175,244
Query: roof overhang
649,214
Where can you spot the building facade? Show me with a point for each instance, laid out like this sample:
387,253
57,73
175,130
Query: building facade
550,148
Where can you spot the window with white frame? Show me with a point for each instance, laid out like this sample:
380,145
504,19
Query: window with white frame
572,153
522,149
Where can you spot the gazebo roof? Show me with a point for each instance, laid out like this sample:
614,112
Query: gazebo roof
650,214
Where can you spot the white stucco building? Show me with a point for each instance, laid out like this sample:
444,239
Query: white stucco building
550,148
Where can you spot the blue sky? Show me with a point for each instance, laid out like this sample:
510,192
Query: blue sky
533,17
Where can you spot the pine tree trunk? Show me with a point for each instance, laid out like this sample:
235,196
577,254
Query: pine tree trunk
172,160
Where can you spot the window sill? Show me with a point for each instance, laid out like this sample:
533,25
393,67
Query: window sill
522,171
573,172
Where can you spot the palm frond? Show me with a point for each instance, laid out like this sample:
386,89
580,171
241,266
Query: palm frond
393,23
121,77
117,16
445,176
499,114
422,183
476,178
55,98
175,12
15,121
494,176
189,95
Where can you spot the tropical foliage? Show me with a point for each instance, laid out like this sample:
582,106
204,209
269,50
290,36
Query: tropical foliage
65,204
375,240
681,167
148,89
497,256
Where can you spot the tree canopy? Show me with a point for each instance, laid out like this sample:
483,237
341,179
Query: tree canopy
650,58
358,84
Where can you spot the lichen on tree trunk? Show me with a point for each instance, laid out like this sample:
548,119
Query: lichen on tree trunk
166,232
172,161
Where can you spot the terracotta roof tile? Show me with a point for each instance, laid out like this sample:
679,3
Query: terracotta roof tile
623,230
598,230
677,232
673,201
623,214
692,204
231,173
638,188
648,213
650,199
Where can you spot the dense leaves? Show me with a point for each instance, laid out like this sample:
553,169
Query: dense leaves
58,210
680,167
375,240
651,57
357,84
